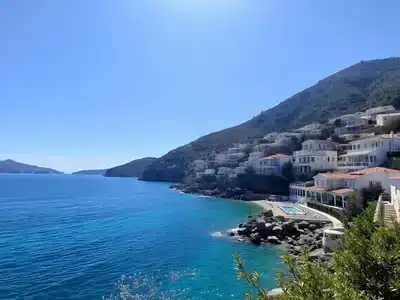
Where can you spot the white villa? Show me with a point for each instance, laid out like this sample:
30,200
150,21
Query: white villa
332,189
387,119
367,152
373,112
271,164
315,155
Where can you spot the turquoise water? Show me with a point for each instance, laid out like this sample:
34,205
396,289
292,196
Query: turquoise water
72,237
292,210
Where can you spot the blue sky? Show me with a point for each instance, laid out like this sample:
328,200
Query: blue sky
92,84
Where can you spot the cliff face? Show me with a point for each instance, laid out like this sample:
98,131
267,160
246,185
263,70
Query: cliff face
134,168
357,88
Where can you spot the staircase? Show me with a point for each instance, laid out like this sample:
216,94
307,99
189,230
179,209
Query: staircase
388,213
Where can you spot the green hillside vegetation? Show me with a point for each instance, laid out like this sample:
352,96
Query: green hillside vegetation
357,88
134,168
12,166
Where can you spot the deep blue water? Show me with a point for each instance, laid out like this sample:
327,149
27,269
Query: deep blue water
72,237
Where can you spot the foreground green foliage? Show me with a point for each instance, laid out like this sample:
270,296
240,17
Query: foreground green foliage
367,267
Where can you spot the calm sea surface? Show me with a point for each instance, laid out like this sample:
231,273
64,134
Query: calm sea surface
73,237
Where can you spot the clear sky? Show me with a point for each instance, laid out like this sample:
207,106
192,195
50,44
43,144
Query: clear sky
92,83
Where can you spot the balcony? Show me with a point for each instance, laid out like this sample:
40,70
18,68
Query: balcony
353,164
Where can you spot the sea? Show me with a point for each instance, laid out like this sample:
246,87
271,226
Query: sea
88,237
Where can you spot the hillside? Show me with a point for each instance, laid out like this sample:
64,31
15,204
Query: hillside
134,168
11,166
90,172
357,88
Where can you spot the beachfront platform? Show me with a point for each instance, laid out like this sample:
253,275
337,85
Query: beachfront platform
309,214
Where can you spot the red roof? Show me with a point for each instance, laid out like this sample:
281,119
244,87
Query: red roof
374,170
278,155
395,177
342,191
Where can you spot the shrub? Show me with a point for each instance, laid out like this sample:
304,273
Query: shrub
366,267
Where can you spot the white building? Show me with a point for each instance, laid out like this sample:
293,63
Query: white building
380,110
347,129
371,113
256,155
395,194
315,155
333,189
225,171
368,152
387,119
271,164
313,128
351,119
271,136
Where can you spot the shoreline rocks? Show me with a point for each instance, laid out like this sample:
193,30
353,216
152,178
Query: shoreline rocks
235,193
296,235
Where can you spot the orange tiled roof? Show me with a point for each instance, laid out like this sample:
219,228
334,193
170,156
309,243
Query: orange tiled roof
395,177
278,155
373,170
342,191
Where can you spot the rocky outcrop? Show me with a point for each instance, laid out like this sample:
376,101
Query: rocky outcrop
297,235
213,190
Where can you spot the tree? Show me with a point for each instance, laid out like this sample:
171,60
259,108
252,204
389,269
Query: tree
371,193
338,122
366,267
354,206
287,171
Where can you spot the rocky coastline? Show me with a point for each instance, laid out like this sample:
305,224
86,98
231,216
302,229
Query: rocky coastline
219,192
297,235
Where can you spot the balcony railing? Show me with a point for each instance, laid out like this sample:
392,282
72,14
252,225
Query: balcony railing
353,164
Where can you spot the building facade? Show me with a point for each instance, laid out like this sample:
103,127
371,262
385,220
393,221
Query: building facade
333,189
388,119
315,155
369,152
272,164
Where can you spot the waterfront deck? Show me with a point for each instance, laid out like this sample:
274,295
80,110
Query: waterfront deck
309,214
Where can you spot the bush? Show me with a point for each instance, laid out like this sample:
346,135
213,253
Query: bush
367,267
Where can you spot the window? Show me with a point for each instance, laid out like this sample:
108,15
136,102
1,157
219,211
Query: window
358,146
312,159
376,144
333,158
374,158
371,159
328,158
365,145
